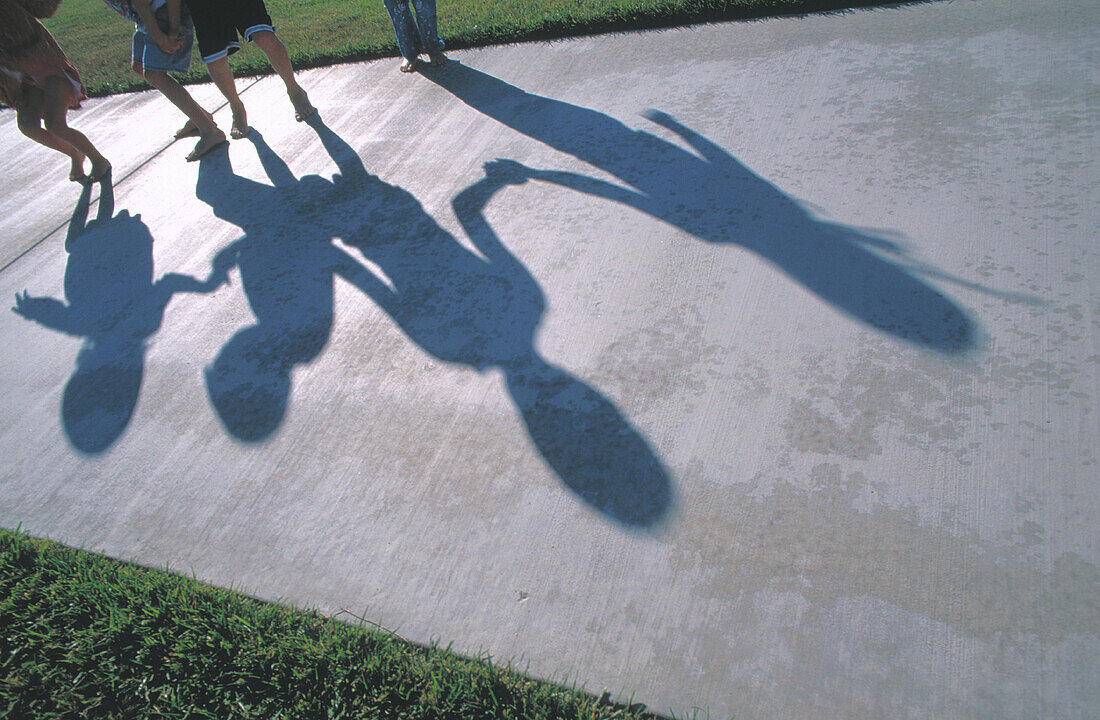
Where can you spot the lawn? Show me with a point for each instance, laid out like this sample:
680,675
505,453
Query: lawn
84,636
319,32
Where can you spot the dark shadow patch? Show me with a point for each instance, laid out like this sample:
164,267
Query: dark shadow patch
113,303
715,198
477,310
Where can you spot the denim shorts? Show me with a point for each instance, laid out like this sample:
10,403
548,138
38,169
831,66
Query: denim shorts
147,54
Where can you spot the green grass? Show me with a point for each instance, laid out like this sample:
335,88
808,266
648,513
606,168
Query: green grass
319,32
84,636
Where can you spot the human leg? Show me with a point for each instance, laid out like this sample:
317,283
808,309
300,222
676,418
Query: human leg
28,118
404,27
279,58
210,136
57,95
217,37
154,64
427,27
222,76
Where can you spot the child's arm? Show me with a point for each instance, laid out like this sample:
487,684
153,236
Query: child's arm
174,19
164,42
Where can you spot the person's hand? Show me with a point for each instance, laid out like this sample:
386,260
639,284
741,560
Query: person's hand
168,44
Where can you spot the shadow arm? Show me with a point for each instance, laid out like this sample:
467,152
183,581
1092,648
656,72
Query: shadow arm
47,312
709,150
593,186
173,283
347,267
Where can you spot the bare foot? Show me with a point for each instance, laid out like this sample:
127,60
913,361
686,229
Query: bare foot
302,107
240,127
206,143
436,59
76,170
409,65
100,170
190,129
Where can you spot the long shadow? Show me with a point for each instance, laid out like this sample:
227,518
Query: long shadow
477,310
113,303
287,262
712,196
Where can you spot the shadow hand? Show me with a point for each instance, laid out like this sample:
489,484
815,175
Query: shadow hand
658,116
507,172
27,306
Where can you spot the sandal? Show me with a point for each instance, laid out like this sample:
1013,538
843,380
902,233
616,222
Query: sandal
409,65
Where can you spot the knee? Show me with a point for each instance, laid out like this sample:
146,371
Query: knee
264,38
55,123
29,125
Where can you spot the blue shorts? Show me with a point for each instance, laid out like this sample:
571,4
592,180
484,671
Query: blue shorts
147,54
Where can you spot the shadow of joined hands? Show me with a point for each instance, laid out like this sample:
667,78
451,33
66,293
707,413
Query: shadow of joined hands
715,198
477,310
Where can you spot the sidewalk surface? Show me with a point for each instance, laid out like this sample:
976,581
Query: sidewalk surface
759,374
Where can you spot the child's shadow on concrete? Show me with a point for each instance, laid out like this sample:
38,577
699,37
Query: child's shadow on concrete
113,303
480,311
712,196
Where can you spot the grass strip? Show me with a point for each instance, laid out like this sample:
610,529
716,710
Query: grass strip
85,636
322,32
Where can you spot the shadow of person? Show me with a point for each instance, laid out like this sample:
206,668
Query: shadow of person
113,303
287,262
462,307
712,196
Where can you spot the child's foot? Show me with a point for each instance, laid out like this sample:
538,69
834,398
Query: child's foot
76,169
240,127
409,65
302,107
206,143
436,59
100,169
190,129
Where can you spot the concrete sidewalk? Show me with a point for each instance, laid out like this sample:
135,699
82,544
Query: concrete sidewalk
750,367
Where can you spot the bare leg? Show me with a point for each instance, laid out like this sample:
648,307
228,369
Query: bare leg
29,120
164,82
277,55
223,79
56,95
209,134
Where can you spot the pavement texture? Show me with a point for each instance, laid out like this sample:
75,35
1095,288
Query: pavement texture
749,367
